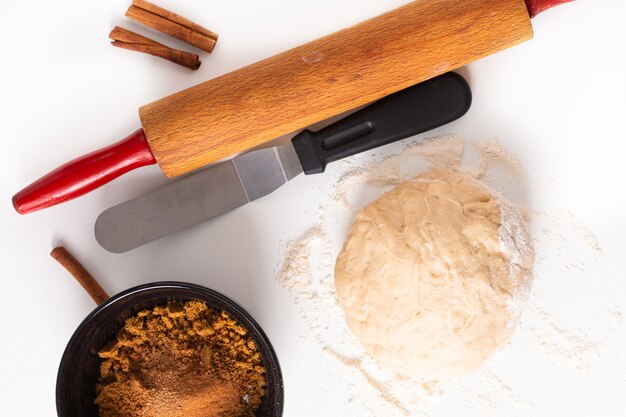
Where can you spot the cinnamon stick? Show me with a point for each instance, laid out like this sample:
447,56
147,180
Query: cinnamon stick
124,38
83,277
172,24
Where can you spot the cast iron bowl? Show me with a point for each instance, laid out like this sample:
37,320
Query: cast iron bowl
80,365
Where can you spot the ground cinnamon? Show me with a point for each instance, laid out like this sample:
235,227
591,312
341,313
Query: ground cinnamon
180,360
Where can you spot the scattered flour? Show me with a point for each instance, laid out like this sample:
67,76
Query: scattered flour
492,153
555,341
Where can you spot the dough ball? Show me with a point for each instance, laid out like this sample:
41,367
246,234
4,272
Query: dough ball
433,275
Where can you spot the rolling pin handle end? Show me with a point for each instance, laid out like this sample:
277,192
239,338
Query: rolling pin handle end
85,174
537,6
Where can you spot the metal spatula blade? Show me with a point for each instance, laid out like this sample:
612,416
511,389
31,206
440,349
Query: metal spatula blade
196,198
226,186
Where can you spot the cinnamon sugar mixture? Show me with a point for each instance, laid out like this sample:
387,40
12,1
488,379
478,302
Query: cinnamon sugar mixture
181,359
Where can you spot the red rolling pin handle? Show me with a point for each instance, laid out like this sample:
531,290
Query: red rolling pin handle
537,6
96,169
85,174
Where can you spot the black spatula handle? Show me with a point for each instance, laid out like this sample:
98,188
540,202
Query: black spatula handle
415,110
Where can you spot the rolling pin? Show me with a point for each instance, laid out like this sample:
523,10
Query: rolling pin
297,88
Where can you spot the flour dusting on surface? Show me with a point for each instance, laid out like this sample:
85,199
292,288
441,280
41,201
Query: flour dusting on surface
555,341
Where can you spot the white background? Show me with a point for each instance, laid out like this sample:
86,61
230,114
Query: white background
558,102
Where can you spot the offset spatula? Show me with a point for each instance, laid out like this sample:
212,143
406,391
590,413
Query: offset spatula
299,87
255,174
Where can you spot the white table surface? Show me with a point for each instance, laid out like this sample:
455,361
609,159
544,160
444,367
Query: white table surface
557,102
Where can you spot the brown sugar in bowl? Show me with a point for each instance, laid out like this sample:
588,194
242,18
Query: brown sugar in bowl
79,370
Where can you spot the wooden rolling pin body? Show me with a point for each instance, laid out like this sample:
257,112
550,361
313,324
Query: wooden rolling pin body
326,77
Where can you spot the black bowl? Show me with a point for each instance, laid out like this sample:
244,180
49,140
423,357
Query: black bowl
80,365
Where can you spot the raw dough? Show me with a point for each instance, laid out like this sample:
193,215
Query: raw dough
433,275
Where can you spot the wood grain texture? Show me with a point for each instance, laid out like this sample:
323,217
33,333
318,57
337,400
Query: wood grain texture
328,76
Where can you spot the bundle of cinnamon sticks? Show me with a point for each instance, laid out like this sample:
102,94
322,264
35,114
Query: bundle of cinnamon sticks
169,23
